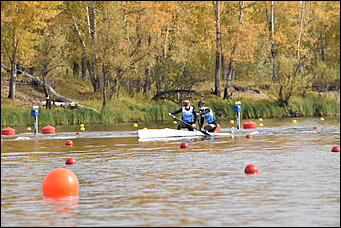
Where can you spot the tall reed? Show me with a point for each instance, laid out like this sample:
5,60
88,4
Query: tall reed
312,105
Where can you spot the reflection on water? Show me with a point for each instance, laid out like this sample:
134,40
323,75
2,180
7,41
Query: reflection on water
124,182
60,213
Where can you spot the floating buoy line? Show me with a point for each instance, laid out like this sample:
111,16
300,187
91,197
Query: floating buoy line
50,134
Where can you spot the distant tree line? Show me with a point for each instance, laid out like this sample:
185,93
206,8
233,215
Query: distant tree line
158,46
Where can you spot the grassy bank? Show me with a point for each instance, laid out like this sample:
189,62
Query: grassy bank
311,106
119,111
125,110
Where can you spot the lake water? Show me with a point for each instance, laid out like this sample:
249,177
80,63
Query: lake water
124,182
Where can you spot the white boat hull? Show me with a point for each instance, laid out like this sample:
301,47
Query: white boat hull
147,134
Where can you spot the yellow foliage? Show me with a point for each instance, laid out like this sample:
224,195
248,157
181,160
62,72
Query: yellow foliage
21,22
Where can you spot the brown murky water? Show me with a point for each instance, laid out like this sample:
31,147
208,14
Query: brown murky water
124,182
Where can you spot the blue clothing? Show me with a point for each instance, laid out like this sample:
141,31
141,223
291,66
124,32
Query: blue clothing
207,114
187,115
209,117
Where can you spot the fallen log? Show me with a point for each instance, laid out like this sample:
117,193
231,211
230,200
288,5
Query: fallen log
245,88
159,95
41,83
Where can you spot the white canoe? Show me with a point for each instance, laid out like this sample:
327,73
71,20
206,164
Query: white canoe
146,134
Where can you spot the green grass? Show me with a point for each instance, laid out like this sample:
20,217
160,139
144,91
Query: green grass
309,107
249,108
138,109
141,109
313,105
15,116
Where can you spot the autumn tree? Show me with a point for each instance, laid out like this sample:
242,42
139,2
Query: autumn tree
270,15
293,55
189,49
21,23
163,31
240,38
145,23
82,17
323,36
50,54
112,55
167,48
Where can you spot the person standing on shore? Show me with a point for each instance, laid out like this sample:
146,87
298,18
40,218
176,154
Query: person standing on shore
188,115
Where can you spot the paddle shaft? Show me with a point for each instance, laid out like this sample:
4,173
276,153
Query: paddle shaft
204,132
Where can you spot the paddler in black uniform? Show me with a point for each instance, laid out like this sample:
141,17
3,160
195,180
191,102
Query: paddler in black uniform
206,114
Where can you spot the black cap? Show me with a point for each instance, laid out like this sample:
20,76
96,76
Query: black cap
200,103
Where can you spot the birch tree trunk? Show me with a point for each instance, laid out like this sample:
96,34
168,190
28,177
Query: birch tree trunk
287,90
299,64
105,70
93,27
227,92
223,65
13,80
147,82
91,64
125,20
300,32
147,73
218,50
83,68
165,45
89,61
271,22
323,46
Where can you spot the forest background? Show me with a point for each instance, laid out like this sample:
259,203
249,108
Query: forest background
122,61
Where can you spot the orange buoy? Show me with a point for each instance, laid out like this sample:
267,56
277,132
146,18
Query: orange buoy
184,145
8,131
69,143
48,130
336,149
248,136
78,133
251,169
70,161
315,127
61,183
249,125
218,128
